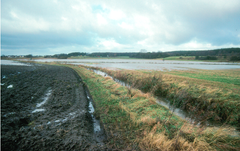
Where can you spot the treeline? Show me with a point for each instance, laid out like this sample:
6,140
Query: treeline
149,55
231,54
65,56
226,54
235,58
110,54
206,58
216,52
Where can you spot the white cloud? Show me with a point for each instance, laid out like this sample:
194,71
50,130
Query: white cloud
194,45
126,26
109,44
116,15
22,23
101,20
156,24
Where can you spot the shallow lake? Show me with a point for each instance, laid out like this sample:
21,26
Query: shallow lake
147,64
11,62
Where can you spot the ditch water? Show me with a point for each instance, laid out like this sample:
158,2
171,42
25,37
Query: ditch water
162,101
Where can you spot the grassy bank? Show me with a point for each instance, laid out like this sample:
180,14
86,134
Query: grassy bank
134,120
211,95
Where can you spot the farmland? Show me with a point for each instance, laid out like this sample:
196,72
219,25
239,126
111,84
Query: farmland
133,119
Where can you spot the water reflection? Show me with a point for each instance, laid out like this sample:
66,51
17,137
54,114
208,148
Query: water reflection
136,64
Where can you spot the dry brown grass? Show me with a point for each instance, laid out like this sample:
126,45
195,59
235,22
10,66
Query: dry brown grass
159,141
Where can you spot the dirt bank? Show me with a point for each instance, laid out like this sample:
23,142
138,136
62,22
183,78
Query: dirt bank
45,108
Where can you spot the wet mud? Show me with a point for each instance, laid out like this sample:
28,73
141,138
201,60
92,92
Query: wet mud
47,108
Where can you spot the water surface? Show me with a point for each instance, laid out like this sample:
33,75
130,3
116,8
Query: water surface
11,62
138,64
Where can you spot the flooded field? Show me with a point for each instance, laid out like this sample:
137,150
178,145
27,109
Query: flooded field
11,62
146,64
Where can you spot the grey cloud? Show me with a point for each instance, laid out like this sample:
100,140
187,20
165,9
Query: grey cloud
57,24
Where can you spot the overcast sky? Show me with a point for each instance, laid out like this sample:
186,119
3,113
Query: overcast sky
42,27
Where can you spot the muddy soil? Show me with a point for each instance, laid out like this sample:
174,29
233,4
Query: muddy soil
46,108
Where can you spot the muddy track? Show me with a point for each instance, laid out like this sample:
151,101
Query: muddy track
46,108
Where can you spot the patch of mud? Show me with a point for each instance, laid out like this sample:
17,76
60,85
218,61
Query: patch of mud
47,109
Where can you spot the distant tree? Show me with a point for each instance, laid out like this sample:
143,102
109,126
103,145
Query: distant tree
28,56
208,58
196,57
76,54
61,56
234,58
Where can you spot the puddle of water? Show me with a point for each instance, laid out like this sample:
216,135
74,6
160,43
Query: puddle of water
69,116
96,123
2,83
4,77
64,120
10,86
45,98
72,113
91,108
57,121
38,110
11,113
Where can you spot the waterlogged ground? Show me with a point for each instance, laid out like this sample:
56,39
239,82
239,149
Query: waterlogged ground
47,108
147,64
